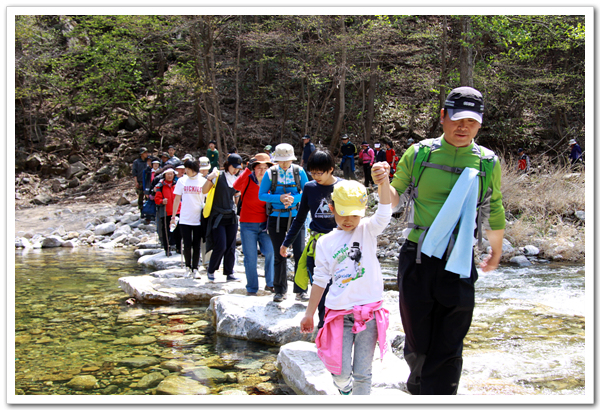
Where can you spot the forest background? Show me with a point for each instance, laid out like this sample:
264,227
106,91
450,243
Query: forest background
90,90
91,82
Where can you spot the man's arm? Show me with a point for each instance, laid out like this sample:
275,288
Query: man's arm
492,261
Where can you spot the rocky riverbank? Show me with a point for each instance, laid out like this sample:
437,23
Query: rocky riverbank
109,226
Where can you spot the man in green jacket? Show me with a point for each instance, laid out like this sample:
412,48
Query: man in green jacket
213,155
436,305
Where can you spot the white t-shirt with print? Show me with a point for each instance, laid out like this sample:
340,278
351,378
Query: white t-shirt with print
350,260
192,198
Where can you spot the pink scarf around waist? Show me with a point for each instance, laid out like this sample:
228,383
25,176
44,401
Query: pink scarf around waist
330,338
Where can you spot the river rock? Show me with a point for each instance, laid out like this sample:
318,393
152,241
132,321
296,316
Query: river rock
150,380
123,200
138,362
305,373
129,331
52,241
143,252
142,340
530,250
108,244
149,289
521,261
71,243
149,245
177,385
42,199
76,169
121,230
179,339
22,243
105,228
258,318
160,261
87,382
206,375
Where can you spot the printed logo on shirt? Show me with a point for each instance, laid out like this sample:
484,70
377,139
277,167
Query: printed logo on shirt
192,190
323,210
344,274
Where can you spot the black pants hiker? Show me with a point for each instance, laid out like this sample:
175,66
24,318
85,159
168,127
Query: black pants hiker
436,307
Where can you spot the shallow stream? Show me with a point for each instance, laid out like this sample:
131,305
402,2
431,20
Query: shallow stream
71,318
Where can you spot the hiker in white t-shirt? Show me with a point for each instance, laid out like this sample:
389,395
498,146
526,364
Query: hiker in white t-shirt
354,316
189,191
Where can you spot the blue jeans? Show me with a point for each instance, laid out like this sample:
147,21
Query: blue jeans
356,368
251,234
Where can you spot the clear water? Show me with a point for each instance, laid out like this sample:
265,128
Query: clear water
528,331
71,318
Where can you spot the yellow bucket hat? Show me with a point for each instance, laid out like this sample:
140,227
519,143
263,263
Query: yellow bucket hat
350,198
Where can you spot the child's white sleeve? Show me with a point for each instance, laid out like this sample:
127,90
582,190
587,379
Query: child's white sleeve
322,272
380,220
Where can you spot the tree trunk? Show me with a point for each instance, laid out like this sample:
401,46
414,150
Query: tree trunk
339,120
466,53
371,101
237,86
325,102
306,129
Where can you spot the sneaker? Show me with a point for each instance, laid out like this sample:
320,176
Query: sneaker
211,276
196,274
232,278
168,253
302,296
250,293
188,272
270,289
279,297
345,393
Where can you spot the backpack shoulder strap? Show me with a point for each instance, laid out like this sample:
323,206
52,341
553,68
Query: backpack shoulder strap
422,152
487,162
296,172
274,176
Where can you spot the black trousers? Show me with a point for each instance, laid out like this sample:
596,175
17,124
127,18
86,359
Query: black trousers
436,307
280,282
224,236
191,244
367,171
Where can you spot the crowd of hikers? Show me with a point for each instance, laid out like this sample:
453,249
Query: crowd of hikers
447,187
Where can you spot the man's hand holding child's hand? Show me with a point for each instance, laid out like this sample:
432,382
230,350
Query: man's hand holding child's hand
380,172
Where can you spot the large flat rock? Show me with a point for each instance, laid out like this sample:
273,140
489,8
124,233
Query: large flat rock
160,260
169,286
305,373
258,318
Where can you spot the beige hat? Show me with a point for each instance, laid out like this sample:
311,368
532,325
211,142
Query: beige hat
284,152
204,163
262,158
349,198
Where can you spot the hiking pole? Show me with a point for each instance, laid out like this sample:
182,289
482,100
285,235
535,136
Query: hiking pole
181,250
166,231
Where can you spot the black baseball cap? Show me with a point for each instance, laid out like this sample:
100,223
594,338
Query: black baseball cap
143,149
464,102
235,160
306,137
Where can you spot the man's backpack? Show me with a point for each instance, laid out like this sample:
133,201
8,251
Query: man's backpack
274,170
423,150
